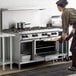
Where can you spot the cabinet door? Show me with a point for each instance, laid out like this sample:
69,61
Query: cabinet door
26,48
26,51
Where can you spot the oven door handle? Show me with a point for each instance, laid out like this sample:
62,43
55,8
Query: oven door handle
22,41
56,38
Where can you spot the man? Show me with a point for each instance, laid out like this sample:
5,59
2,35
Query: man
68,18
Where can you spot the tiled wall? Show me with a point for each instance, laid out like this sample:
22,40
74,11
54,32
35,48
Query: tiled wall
28,16
50,6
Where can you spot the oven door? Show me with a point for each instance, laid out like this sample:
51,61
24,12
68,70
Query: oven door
26,50
44,48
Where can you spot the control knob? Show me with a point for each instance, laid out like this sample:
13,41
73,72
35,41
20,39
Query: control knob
34,35
44,34
24,36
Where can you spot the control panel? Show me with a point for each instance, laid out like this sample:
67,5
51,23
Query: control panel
39,35
54,34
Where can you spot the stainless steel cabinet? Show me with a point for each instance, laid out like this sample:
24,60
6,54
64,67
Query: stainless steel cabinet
34,50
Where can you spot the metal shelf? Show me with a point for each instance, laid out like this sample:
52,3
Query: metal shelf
7,61
46,53
45,47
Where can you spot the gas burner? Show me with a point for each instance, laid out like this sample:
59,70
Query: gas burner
31,28
34,28
37,28
21,30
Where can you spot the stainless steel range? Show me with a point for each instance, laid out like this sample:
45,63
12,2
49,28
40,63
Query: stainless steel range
34,44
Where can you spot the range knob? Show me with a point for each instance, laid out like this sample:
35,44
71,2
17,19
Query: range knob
24,36
53,33
44,34
34,35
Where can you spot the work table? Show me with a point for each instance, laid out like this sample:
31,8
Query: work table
3,60
6,34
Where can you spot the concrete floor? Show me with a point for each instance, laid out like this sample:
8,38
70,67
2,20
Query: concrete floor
72,75
29,67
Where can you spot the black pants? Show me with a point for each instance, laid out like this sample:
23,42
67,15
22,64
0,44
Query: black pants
74,58
73,47
73,50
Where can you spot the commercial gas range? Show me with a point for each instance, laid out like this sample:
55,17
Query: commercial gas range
34,44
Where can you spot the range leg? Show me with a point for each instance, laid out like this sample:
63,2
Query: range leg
3,52
11,53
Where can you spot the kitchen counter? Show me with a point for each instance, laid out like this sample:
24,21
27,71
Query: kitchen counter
6,34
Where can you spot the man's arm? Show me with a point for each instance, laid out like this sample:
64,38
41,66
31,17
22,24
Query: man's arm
65,21
69,36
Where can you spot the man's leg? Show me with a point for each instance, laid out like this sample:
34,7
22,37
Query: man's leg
74,58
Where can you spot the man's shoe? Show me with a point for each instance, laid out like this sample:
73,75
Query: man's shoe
72,68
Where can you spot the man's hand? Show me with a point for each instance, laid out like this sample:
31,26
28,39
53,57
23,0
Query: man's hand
63,36
73,30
